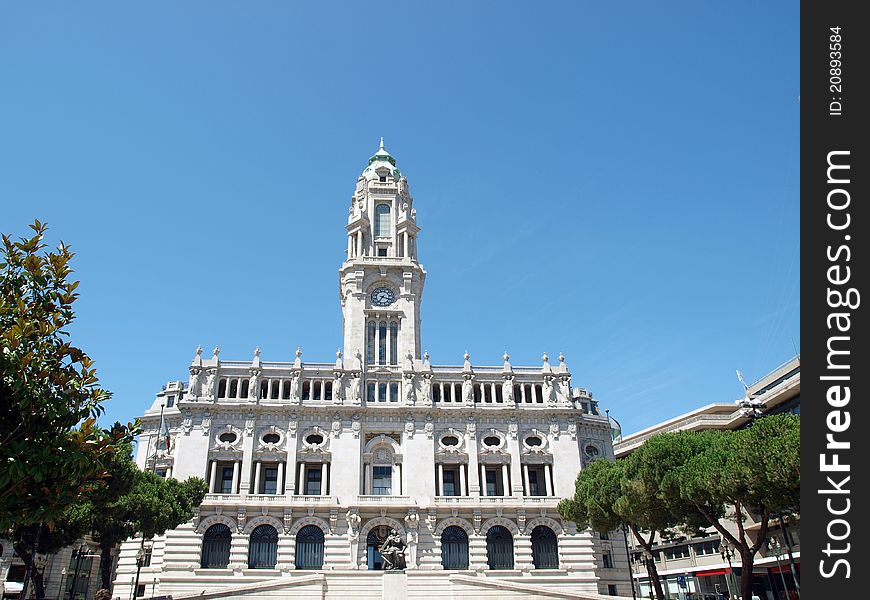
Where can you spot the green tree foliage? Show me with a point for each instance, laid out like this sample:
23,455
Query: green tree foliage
751,472
150,506
605,499
52,452
689,480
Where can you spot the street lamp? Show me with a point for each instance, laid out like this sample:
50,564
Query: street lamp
140,560
727,552
79,553
774,545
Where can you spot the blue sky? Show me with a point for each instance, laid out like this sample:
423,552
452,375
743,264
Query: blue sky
616,181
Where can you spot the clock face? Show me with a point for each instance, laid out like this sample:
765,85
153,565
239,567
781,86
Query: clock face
383,296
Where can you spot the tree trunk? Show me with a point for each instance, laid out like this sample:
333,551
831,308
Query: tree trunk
650,564
653,573
106,567
747,558
33,573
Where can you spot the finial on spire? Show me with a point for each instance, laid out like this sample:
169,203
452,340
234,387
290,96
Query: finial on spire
382,143
257,352
199,350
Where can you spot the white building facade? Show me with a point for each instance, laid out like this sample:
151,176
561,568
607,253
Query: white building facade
311,464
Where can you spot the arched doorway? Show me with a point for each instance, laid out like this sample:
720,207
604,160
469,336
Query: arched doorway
375,538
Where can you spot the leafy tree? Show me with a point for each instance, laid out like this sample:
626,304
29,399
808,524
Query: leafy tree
688,480
751,471
606,497
52,451
150,506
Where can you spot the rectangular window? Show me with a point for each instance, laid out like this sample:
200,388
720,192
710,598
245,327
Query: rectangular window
313,480
146,559
382,481
160,473
607,560
494,485
707,548
370,392
677,552
170,401
226,482
270,480
449,483
382,392
382,251
604,536
611,590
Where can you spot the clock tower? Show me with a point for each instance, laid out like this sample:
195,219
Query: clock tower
381,281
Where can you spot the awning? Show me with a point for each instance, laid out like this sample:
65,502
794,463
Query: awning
712,572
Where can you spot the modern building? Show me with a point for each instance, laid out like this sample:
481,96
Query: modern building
72,568
702,566
310,465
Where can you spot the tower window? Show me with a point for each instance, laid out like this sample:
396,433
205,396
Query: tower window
382,178
382,220
382,251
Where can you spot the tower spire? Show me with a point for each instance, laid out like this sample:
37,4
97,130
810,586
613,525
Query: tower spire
382,143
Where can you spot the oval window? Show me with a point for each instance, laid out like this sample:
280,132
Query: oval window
591,450
450,440
314,438
491,441
228,437
271,438
533,441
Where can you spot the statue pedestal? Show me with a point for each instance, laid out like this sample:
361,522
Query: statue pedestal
395,585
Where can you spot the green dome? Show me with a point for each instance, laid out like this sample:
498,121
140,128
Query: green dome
380,159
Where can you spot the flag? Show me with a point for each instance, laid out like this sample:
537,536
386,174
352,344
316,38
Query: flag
163,436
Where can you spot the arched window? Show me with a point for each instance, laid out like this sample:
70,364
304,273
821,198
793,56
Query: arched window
222,388
263,548
234,388
375,538
370,343
245,385
309,548
454,548
499,548
382,338
394,343
382,220
545,550
216,547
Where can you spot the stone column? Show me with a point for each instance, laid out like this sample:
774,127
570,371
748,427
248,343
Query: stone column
324,479
483,490
505,491
548,480
369,475
257,470
439,490
212,477
302,479
526,480
279,487
463,488
395,482
235,488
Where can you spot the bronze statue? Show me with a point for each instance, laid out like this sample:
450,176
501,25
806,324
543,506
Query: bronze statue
393,552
